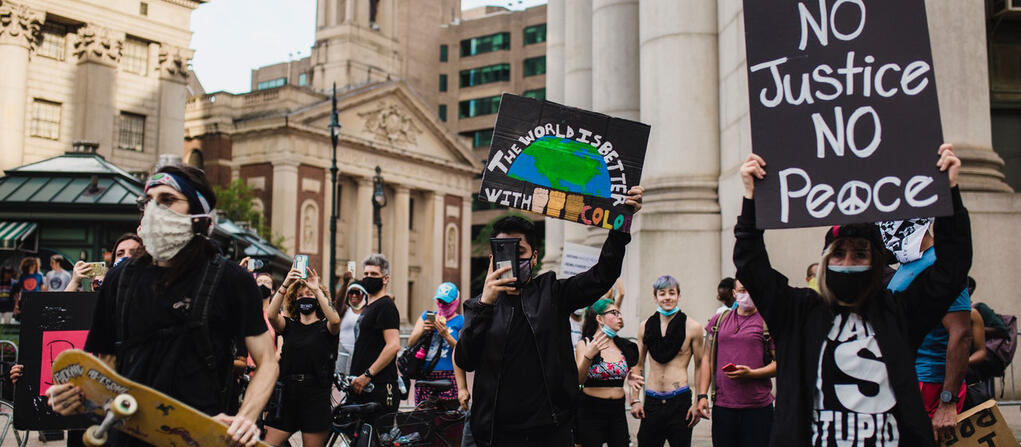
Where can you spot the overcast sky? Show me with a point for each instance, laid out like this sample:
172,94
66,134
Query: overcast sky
231,37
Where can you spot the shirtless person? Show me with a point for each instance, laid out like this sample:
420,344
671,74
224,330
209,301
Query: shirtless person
670,337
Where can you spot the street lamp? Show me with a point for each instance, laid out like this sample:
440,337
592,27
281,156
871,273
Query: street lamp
378,202
334,135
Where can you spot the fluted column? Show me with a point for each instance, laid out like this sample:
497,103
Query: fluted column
400,260
555,70
615,83
680,100
363,221
98,51
172,67
19,31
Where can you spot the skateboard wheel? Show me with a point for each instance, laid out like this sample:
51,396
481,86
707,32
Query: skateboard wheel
90,439
124,405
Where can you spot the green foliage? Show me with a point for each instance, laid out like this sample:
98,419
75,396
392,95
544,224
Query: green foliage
235,203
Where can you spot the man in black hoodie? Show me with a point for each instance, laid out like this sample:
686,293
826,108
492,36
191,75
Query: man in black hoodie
518,342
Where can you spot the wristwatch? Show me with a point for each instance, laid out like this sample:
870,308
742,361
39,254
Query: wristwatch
948,397
700,397
368,374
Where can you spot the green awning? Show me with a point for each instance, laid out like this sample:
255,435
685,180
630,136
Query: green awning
13,233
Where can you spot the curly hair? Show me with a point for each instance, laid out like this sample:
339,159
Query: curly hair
291,301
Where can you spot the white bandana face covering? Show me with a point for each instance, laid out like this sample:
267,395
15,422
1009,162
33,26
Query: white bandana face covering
164,231
904,237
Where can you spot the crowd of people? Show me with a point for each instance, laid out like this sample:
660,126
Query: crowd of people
864,354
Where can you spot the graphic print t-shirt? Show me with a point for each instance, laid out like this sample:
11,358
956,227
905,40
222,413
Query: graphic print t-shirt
853,403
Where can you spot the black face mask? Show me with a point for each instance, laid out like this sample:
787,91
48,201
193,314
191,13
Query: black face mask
372,285
848,287
266,291
307,305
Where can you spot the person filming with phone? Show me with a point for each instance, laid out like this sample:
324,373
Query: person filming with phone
517,338
442,326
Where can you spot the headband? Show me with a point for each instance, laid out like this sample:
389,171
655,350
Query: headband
195,199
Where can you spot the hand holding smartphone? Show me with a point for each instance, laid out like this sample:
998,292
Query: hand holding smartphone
730,367
301,264
97,268
505,253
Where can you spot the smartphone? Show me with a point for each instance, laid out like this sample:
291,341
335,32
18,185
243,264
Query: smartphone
301,263
729,368
505,253
97,268
351,267
430,316
255,264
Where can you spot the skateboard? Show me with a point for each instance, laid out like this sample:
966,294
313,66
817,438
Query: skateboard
135,409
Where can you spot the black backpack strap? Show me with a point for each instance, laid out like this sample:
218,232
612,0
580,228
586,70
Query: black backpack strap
125,286
199,315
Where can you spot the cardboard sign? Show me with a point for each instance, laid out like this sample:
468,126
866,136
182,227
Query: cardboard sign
844,111
981,426
577,258
51,322
564,162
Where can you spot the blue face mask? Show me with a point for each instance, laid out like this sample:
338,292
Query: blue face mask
667,313
609,332
849,268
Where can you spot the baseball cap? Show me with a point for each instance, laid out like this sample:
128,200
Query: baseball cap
869,232
446,292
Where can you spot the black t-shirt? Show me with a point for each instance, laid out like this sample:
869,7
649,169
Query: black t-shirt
376,317
170,362
517,411
308,349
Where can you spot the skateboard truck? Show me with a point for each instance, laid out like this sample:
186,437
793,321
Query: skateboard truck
121,407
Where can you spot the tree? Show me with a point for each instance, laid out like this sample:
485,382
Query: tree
234,202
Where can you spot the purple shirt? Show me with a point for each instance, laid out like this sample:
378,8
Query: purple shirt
740,343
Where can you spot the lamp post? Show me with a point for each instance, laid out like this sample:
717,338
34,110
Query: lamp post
334,135
378,202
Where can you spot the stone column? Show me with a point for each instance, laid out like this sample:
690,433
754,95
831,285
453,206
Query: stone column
678,230
957,31
431,252
349,11
363,221
285,202
98,51
466,247
577,77
615,62
19,30
400,260
555,30
172,67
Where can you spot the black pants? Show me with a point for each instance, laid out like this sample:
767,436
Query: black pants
553,437
741,427
601,420
665,421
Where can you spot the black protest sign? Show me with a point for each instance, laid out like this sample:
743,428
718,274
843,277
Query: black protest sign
51,323
564,162
844,112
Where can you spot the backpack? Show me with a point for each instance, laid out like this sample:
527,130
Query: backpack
417,361
1001,349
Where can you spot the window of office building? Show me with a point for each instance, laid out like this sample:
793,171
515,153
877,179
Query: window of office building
131,132
535,66
135,56
443,53
443,112
54,42
485,75
45,119
535,34
485,44
479,107
303,79
539,93
480,138
443,82
272,83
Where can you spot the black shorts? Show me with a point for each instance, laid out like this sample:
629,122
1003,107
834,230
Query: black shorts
306,408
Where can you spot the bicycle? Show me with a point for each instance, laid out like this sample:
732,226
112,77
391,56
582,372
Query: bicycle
354,425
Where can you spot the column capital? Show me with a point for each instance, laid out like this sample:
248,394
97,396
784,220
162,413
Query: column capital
98,44
401,189
19,24
172,62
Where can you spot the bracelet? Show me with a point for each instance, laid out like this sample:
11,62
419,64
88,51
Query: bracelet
636,401
587,357
701,396
368,374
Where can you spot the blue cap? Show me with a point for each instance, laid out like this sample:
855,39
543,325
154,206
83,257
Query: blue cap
446,292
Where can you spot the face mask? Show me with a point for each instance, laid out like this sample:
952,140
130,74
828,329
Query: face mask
848,283
609,332
164,231
904,237
120,260
447,310
525,271
372,285
307,305
744,302
666,313
812,284
266,291
579,312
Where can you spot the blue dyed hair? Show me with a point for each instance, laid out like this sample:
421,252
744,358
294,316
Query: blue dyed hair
665,282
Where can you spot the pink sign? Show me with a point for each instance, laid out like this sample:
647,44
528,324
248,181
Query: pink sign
55,342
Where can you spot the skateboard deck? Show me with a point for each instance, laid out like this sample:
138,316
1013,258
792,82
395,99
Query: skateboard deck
158,419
